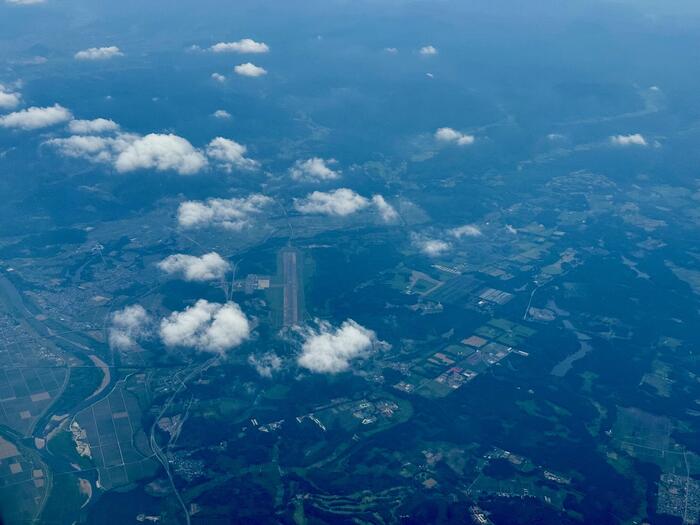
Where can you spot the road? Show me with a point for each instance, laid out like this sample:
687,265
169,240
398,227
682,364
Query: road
166,406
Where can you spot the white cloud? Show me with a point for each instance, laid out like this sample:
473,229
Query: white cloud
222,114
162,153
98,125
629,140
208,267
128,326
207,327
428,50
218,77
265,364
232,214
340,202
454,136
129,151
249,70
429,246
468,230
96,149
9,99
24,2
314,170
391,50
246,45
35,117
93,148
386,210
229,154
98,53
330,350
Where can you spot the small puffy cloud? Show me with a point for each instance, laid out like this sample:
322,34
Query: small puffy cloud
93,148
314,170
265,364
36,118
221,114
9,99
329,350
207,327
434,247
249,70
162,153
453,136
629,140
387,212
128,325
428,50
88,127
231,214
340,202
468,230
96,149
128,151
429,246
208,267
246,45
391,50
218,77
98,53
229,154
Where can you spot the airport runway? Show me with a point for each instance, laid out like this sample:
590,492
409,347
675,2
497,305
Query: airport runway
291,288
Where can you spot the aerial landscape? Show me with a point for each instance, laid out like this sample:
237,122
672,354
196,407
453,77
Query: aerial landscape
350,262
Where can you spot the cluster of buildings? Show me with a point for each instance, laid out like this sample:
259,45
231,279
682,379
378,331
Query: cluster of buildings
185,467
368,412
679,496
